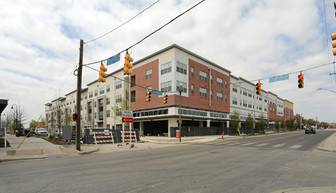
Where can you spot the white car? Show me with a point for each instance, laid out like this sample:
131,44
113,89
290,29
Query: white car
41,131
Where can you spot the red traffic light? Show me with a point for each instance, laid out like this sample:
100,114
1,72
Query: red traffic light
258,84
300,76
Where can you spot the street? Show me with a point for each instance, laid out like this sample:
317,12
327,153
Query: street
255,164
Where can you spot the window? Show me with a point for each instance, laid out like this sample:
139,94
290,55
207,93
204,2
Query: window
226,84
118,98
250,94
244,103
108,101
166,86
184,86
219,82
192,71
234,88
245,92
165,68
203,76
133,81
101,90
148,89
234,101
108,113
118,84
90,95
211,78
211,94
96,92
192,89
101,109
249,104
219,96
133,96
108,88
226,97
180,67
149,74
203,92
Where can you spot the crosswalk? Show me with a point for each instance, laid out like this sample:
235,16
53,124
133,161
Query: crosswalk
253,144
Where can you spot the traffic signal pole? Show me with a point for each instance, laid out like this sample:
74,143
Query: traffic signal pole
79,92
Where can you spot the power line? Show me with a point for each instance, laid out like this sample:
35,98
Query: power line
122,23
294,72
147,35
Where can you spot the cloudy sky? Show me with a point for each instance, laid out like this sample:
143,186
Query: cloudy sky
253,39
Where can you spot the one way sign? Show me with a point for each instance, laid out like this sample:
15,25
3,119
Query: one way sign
125,120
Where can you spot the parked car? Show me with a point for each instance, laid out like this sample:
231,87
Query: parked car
310,130
41,131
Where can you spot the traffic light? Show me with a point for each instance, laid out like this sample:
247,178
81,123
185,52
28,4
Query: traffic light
258,88
149,95
75,116
127,65
102,74
165,98
300,80
333,43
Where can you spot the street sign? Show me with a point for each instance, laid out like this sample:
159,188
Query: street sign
113,59
125,120
279,78
127,114
156,92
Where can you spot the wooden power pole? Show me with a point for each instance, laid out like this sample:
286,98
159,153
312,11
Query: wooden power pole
79,93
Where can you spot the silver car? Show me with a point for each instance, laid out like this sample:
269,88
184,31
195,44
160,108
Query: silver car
41,131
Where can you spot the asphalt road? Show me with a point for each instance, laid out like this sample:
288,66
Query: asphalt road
207,167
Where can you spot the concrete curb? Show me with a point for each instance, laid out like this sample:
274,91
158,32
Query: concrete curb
308,190
326,146
16,158
25,152
72,150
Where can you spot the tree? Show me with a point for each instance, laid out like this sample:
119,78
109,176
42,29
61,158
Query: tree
235,120
290,123
120,106
68,119
277,125
32,124
282,124
261,123
297,121
249,122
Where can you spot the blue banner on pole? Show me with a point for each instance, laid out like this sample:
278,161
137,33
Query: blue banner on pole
279,78
113,60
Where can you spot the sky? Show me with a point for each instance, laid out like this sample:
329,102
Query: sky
254,39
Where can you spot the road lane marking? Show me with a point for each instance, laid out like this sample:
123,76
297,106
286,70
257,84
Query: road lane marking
279,145
296,146
247,144
262,144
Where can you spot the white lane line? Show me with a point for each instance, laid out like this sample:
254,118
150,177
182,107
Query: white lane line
296,146
279,145
245,144
262,144
233,143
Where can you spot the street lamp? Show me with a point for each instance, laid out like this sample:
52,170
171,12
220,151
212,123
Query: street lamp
16,117
180,89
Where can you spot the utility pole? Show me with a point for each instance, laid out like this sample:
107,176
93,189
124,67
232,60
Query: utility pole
79,93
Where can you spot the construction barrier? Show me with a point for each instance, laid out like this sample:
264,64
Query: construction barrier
101,135
108,135
129,137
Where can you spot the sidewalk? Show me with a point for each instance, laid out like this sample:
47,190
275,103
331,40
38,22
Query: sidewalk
37,148
328,144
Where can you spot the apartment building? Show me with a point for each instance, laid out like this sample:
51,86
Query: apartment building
209,95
